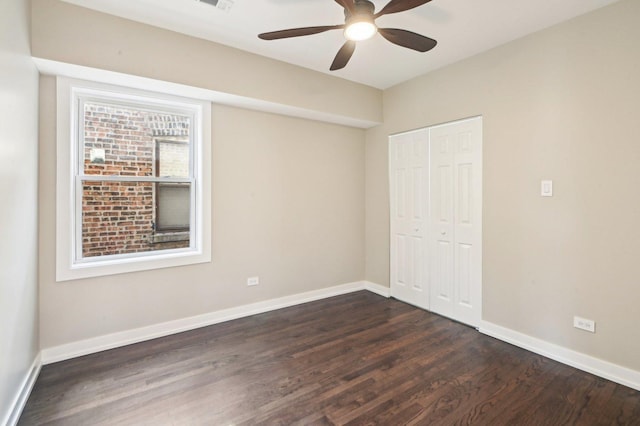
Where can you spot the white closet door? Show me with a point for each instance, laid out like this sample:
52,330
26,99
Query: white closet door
455,229
409,194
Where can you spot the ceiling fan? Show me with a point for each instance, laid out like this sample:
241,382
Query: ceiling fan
360,25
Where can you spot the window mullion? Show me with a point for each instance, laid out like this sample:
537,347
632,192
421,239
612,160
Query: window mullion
118,178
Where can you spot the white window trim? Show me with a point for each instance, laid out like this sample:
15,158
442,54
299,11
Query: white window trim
70,268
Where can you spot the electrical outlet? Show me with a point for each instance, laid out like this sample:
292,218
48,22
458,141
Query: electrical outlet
253,281
584,324
225,5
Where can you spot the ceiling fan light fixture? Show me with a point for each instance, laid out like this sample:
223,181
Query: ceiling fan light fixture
359,24
360,29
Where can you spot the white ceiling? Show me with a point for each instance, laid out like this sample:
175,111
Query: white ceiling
462,27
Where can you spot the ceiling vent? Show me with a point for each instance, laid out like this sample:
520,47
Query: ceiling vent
224,5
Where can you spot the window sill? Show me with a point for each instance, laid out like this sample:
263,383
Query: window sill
143,262
169,237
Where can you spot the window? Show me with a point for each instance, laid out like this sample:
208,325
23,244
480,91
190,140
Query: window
130,171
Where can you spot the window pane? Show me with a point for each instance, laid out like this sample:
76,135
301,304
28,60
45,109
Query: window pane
172,158
118,218
173,201
121,141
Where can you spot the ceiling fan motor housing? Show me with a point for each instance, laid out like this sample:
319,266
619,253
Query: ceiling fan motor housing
363,7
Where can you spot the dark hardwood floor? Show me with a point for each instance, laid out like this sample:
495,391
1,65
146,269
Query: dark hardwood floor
353,359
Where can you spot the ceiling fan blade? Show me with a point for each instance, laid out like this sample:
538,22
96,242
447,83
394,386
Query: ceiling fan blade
408,39
347,4
343,56
395,6
297,32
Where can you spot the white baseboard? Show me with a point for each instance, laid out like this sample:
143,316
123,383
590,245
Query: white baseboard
377,289
615,373
110,341
22,396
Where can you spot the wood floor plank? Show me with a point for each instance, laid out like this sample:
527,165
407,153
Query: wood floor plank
354,359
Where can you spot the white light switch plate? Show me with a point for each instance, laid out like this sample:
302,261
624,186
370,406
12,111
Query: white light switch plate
546,188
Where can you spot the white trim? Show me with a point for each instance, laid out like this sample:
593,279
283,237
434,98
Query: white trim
616,373
128,337
22,396
49,67
377,289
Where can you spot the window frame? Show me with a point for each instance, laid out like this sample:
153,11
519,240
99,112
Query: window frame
71,176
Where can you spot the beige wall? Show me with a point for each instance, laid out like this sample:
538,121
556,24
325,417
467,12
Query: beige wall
75,35
288,203
377,206
18,216
561,104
